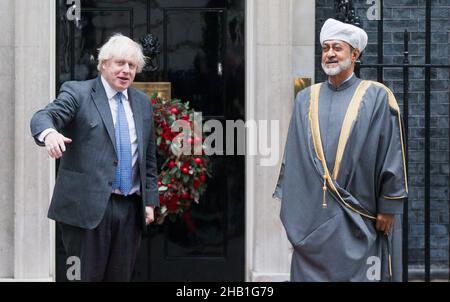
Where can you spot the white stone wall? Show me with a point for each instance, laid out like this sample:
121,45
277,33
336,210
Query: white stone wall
27,83
7,138
280,40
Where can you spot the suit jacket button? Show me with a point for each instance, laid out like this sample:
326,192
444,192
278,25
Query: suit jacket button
110,183
116,163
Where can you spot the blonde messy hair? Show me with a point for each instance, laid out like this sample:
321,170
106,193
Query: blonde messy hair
120,46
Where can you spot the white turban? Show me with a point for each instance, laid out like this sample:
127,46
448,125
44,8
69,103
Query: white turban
335,30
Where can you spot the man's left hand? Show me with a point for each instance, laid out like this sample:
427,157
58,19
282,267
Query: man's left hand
149,214
385,223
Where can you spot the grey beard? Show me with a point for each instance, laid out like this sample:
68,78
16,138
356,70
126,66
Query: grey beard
338,69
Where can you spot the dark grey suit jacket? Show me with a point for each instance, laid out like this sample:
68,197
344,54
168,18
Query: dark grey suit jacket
87,168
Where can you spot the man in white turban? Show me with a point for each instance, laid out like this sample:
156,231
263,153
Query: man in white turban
341,44
343,179
336,30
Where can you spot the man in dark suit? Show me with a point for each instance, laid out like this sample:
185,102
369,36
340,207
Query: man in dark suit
106,188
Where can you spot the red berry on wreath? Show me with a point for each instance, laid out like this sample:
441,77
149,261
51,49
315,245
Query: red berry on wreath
185,170
171,164
185,195
174,110
202,178
169,186
198,160
159,183
196,183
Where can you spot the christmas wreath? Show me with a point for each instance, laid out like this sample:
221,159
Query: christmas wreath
182,179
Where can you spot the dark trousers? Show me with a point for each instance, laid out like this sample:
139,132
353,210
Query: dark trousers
108,252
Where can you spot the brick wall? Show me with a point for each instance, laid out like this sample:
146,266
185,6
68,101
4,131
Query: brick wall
398,16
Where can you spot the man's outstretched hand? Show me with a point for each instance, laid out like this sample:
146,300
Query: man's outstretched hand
55,143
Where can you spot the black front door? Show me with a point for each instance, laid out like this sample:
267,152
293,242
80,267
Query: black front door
202,55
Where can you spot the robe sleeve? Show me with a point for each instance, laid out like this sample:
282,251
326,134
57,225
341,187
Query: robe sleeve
278,193
392,178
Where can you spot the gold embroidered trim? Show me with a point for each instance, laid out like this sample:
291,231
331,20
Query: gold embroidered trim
393,198
315,129
350,117
390,265
394,105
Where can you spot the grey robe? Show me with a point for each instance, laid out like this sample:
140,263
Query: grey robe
365,175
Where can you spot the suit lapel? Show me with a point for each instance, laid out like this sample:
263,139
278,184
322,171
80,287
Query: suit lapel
101,101
137,115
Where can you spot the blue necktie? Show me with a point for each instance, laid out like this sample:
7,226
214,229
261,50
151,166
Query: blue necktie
123,180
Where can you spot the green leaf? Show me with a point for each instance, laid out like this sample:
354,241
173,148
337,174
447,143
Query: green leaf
166,162
166,179
158,140
185,178
173,171
162,189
